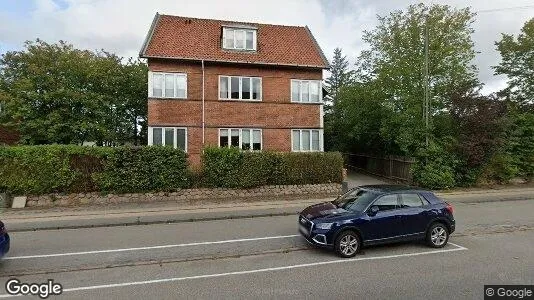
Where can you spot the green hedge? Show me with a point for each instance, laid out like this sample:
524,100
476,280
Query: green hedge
232,168
74,169
68,168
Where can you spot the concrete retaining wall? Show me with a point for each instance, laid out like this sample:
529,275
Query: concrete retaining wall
190,196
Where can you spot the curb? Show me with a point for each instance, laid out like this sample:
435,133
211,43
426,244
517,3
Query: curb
182,217
146,220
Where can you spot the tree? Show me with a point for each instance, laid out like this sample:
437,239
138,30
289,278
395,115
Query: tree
340,76
517,63
54,93
396,61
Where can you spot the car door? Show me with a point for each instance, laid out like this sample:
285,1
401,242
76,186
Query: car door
413,214
385,224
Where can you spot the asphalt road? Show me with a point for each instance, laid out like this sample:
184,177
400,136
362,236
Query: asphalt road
265,258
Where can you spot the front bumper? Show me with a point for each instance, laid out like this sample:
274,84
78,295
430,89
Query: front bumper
314,236
4,244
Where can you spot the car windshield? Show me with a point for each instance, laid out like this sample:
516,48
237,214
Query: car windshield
356,200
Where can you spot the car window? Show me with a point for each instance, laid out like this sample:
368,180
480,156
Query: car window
387,202
411,200
356,200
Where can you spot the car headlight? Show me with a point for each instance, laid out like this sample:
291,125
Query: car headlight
324,225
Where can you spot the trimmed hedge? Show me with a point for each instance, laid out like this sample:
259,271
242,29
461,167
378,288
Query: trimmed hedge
75,169
68,168
232,168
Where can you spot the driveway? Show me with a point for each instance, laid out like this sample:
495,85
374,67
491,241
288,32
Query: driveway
356,179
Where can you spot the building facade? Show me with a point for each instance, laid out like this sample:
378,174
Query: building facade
221,83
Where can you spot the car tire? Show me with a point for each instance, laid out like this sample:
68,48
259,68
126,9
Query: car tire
437,235
347,244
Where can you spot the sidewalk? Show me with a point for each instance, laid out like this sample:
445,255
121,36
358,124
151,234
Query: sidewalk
169,212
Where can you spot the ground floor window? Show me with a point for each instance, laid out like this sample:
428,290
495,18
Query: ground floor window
168,136
245,139
304,140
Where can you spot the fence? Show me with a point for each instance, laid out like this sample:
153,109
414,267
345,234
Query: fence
392,167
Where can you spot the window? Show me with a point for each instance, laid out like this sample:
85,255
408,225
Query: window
240,88
307,140
411,200
168,85
239,39
245,139
387,202
168,136
306,91
356,200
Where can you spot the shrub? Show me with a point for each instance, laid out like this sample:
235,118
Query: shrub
232,168
68,168
143,169
434,168
500,169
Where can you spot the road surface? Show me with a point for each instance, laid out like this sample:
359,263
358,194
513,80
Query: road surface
265,258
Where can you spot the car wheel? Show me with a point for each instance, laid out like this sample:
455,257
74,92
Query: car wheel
437,235
347,244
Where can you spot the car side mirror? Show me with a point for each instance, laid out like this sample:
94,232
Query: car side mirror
373,210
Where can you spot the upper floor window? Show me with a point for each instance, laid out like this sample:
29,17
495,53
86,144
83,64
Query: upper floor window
168,136
306,91
168,85
245,139
239,88
239,38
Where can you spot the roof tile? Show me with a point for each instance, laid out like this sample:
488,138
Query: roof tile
197,39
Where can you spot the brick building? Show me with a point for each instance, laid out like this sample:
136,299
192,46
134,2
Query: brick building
223,83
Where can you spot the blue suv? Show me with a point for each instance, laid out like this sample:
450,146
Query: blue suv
377,214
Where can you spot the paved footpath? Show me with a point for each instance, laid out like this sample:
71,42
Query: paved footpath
170,212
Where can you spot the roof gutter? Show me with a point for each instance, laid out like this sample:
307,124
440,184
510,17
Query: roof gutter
327,66
149,35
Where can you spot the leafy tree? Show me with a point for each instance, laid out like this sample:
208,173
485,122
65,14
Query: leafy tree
340,77
396,61
517,63
54,93
480,123
359,119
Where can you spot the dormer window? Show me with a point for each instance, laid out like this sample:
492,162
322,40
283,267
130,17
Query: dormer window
235,38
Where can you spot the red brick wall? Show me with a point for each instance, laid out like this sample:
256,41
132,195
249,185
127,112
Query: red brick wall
275,114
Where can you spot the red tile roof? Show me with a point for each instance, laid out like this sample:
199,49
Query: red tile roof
200,39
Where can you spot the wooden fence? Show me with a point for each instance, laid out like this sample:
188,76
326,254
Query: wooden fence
392,167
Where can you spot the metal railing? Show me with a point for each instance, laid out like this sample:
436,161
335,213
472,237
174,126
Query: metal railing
392,167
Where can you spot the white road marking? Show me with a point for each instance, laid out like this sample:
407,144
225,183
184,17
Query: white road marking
164,280
456,245
150,247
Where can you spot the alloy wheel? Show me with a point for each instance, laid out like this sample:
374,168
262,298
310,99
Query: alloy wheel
438,236
348,245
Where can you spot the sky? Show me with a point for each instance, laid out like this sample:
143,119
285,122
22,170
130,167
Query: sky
120,26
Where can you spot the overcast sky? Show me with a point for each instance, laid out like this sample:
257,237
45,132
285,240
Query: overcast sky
121,25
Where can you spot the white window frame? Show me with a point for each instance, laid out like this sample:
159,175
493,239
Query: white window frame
321,140
300,81
175,88
151,135
229,88
229,131
244,30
